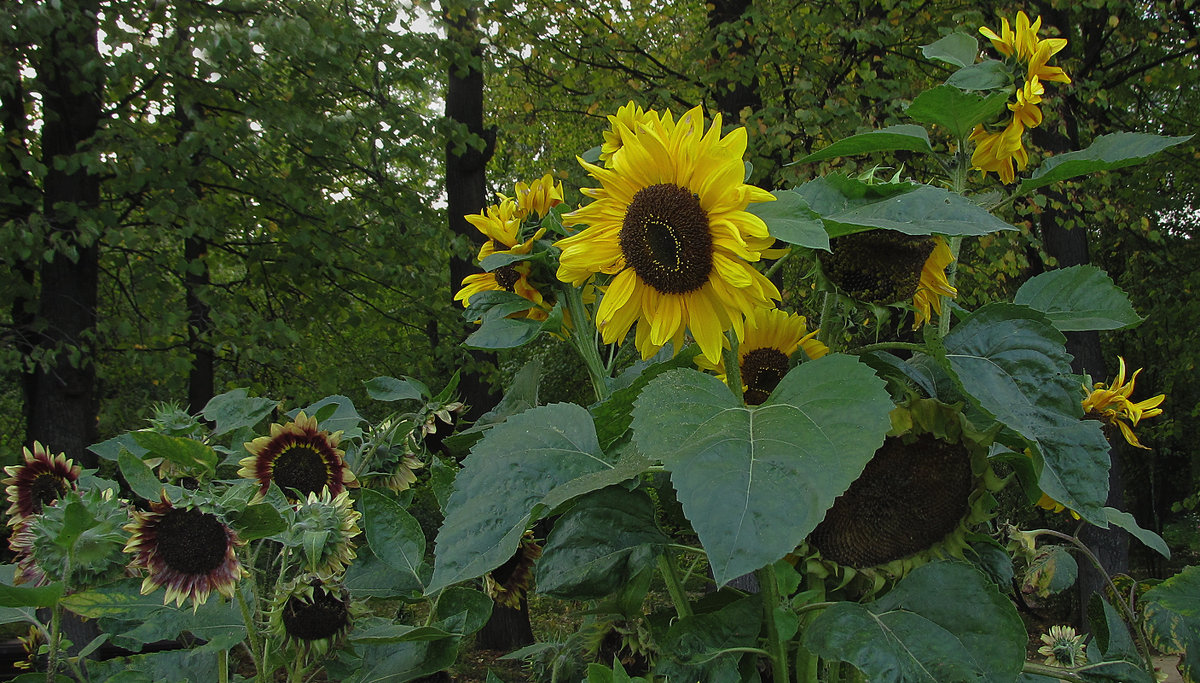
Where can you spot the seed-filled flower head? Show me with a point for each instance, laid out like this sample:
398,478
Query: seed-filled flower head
877,266
185,550
310,615
299,458
509,583
40,479
925,487
772,336
670,223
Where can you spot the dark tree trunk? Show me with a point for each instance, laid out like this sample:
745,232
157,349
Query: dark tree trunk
466,187
63,405
733,95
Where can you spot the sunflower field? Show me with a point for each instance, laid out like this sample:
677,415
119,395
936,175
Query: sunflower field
801,450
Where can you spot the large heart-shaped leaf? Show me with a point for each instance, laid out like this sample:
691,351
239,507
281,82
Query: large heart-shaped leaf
394,535
754,481
944,622
790,219
234,410
504,482
1078,298
1013,363
1106,153
956,110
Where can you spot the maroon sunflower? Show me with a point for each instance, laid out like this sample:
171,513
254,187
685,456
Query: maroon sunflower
41,479
21,543
189,552
299,458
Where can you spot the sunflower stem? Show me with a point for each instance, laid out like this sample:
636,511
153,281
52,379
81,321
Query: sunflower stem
733,367
775,645
1051,672
666,566
54,641
779,262
256,652
890,346
223,666
583,337
828,310
808,664
962,167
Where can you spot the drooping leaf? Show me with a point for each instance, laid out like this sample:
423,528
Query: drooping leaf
498,331
172,666
848,206
1171,616
944,622
258,521
599,545
139,476
370,577
754,481
1106,153
1052,570
521,395
392,389
986,75
1078,298
525,457
1013,363
476,605
111,449
234,410
335,414
30,596
187,453
1150,539
905,136
956,110
395,536
398,662
957,49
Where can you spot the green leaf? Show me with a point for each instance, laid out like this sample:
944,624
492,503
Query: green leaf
696,647
1052,570
392,389
789,218
399,662
958,49
955,110
1148,538
76,520
1012,362
986,75
1078,298
614,415
599,545
338,415
944,622
1106,153
905,137
258,521
111,449
187,453
29,596
848,206
476,605
234,410
500,259
441,481
754,481
394,535
370,577
498,331
507,303
139,476
174,666
1110,633
526,457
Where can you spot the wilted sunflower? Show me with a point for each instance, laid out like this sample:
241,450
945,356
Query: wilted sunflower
310,615
915,500
670,223
333,521
1111,405
299,458
934,284
40,479
878,267
189,552
509,583
772,336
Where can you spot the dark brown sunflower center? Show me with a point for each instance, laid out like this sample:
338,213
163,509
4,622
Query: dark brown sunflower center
761,371
506,277
665,239
909,497
322,618
44,490
302,468
190,541
878,266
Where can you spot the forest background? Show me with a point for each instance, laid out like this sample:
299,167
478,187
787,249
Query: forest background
199,195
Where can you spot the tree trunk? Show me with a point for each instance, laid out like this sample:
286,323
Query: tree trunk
63,404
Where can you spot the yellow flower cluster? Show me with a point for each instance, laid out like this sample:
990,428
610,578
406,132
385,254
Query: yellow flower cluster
996,150
1112,405
501,224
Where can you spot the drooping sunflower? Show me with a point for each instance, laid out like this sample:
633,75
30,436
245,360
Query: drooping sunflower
772,336
299,458
879,267
934,284
1111,404
185,550
925,487
513,278
509,583
332,519
670,223
310,615
39,480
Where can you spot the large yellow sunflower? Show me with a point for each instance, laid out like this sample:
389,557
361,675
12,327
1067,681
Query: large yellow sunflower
772,336
934,284
670,222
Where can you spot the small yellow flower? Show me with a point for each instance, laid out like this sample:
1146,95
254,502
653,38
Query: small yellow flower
538,197
1037,68
622,125
1006,41
934,284
501,224
995,151
1063,647
1025,109
1111,404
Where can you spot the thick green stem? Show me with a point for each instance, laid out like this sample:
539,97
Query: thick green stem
733,366
666,567
583,337
808,664
890,346
256,652
962,167
55,641
779,263
1051,672
828,311
775,645
223,666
